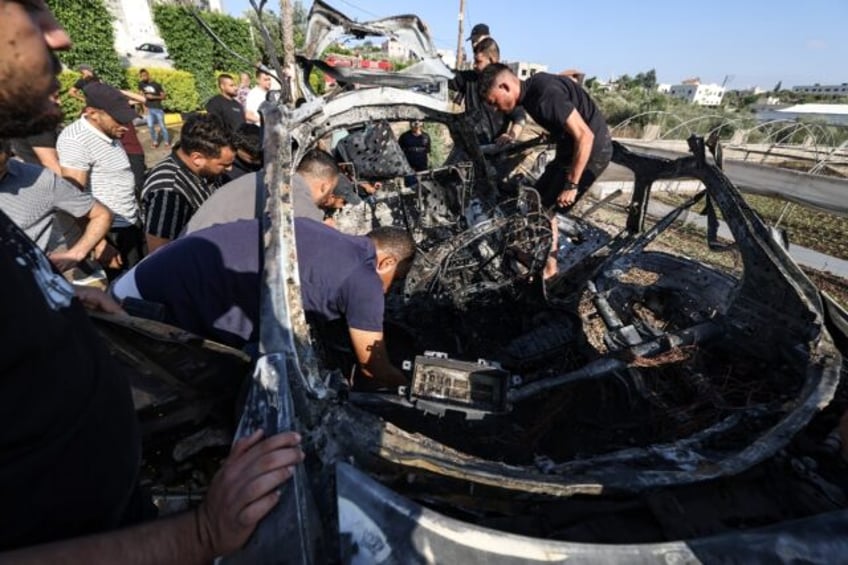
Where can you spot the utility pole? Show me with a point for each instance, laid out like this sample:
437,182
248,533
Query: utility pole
459,51
287,22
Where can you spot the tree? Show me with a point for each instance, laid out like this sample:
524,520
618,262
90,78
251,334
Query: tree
90,26
778,86
273,24
192,49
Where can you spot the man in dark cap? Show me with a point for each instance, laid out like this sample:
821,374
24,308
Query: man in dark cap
92,157
478,33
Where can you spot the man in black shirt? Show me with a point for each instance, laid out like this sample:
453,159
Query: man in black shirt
225,105
153,95
570,116
87,77
416,146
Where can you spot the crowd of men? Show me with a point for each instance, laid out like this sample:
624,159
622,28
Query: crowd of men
186,235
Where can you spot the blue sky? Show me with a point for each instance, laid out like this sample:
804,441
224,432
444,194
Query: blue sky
752,42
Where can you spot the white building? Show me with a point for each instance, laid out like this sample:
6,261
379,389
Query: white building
526,70
133,24
700,94
832,114
393,49
824,89
664,88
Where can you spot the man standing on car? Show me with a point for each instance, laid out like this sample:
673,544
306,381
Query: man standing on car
153,95
571,117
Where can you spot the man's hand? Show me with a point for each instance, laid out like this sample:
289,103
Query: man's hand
245,489
64,260
97,300
567,197
505,139
107,255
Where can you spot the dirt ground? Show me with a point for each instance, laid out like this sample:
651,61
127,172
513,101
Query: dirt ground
154,155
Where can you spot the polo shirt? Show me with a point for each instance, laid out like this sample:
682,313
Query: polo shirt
255,98
172,193
83,147
209,282
29,195
244,199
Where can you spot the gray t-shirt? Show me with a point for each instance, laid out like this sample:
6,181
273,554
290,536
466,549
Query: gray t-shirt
244,199
30,195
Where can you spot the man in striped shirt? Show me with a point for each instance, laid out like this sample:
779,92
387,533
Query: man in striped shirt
177,186
92,157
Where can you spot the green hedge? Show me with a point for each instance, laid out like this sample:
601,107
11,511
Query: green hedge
180,86
71,107
90,26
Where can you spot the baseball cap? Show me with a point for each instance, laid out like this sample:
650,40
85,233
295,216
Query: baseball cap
479,29
347,191
110,100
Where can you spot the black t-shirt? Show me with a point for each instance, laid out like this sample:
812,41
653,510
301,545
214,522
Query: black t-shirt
151,87
82,82
488,124
23,146
69,445
229,110
550,99
416,148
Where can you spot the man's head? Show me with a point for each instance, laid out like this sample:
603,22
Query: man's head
263,80
244,79
143,75
107,109
86,71
248,143
499,87
415,126
206,145
478,32
227,86
395,251
486,52
28,67
321,173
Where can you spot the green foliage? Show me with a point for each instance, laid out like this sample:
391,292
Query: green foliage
90,26
193,50
180,87
71,107
438,149
316,81
273,25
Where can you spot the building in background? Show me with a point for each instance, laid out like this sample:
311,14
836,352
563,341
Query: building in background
393,49
832,114
823,89
526,70
694,92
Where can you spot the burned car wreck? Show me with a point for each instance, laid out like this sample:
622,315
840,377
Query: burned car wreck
639,406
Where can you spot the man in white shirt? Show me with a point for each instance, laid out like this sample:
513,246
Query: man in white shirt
256,97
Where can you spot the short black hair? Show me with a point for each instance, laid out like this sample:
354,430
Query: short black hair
394,241
223,76
318,163
142,71
489,47
248,138
488,78
206,134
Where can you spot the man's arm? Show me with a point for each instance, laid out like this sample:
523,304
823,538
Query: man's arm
373,358
99,221
242,492
49,158
76,93
154,242
78,177
577,128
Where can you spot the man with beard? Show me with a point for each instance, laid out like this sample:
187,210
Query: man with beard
224,104
92,157
69,453
177,186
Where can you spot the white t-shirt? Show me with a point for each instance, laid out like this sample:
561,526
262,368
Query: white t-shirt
255,98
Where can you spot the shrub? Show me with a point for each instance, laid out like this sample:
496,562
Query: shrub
71,107
180,86
90,26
